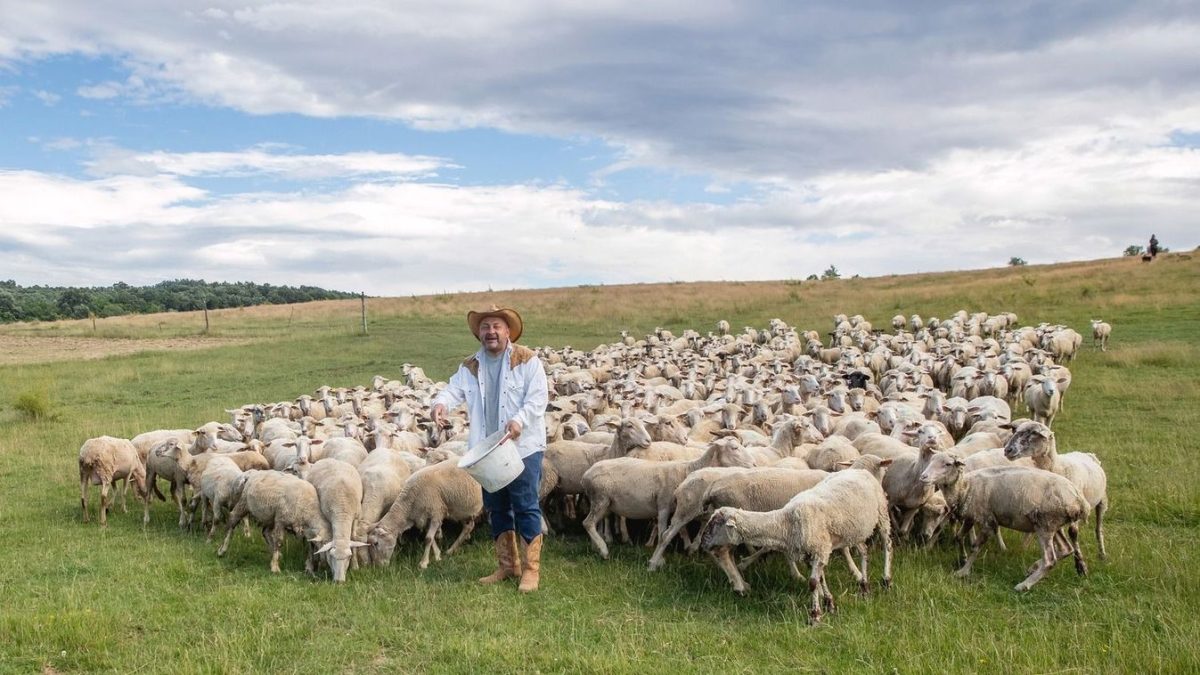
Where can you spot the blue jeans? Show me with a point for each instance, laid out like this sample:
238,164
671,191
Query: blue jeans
515,506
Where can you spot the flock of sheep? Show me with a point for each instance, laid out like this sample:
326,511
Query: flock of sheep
771,439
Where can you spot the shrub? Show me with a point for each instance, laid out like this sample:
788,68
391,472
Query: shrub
831,273
34,405
1016,262
1133,250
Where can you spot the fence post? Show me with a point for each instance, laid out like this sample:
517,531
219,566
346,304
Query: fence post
206,316
364,312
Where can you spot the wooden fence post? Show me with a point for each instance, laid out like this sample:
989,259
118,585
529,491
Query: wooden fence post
364,312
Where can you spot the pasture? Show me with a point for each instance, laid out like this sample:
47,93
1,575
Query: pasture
81,599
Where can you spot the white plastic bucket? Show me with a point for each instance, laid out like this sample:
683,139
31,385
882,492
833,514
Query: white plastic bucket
494,462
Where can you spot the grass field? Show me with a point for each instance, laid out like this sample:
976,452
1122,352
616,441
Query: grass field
128,599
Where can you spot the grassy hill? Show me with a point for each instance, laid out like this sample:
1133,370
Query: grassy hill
78,598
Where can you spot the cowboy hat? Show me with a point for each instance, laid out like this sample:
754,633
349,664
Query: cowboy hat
510,317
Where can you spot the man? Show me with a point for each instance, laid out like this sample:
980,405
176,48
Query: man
504,387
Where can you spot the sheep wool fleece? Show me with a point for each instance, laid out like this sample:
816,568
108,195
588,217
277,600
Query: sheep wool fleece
522,396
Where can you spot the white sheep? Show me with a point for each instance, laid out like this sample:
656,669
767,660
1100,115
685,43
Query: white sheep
279,503
1035,441
843,511
340,494
1043,398
642,489
1020,498
1100,333
383,473
103,461
218,484
436,494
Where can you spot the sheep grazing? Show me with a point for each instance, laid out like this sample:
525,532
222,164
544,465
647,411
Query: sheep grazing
160,466
218,484
430,497
642,489
1035,441
339,493
279,503
1043,398
103,461
1100,333
843,511
1019,498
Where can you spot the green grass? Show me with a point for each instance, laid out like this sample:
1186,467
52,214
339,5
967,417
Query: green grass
81,599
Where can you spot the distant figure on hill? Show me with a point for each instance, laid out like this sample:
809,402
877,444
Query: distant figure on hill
1153,249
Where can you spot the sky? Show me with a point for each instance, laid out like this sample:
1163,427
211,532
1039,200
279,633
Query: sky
399,148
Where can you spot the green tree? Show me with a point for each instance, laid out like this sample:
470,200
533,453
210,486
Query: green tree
74,303
1016,262
1133,250
831,273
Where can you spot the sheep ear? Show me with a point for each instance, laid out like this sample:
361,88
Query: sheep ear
958,461
885,462
327,547
358,544
844,465
316,441
290,444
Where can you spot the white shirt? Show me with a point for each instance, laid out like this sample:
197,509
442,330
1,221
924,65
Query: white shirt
523,397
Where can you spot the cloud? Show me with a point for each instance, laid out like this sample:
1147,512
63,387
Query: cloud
47,97
262,160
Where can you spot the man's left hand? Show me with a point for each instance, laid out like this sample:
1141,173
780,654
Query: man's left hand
514,429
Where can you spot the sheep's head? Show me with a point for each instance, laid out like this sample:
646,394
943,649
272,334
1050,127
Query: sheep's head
634,434
337,556
869,463
721,529
1030,439
944,468
382,543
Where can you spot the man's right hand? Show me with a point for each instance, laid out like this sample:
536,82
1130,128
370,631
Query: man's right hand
439,416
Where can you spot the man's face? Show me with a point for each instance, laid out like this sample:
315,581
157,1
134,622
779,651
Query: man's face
493,333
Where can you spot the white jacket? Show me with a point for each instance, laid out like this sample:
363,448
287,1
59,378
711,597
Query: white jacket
523,397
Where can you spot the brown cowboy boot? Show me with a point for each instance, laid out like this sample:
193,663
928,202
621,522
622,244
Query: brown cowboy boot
508,563
530,573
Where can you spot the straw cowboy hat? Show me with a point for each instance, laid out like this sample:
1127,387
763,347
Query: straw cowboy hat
510,317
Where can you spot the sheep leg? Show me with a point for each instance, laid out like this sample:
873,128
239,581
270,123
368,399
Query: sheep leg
656,559
274,537
724,557
859,575
985,533
598,511
623,529
1046,539
1073,534
650,541
216,512
151,488
885,537
177,492
105,485
753,558
430,536
83,490
816,587
238,512
906,523
1100,509
468,528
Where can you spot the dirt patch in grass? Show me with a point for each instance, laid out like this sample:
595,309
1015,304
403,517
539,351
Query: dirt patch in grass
20,349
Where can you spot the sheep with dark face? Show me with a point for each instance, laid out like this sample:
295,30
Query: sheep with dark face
1035,441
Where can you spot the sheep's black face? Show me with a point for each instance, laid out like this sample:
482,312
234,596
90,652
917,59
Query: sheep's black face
717,532
857,380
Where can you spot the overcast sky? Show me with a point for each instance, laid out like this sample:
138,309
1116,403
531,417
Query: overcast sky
396,148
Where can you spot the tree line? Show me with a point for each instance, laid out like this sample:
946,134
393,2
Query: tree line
50,303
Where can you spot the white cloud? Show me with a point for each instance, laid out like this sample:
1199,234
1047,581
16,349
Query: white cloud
262,160
47,97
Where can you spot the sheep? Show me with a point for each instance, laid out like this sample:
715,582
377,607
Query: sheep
1043,398
636,488
688,504
193,467
279,503
340,494
843,511
1036,442
829,452
1020,498
383,473
1100,333
569,460
103,461
217,483
429,497
158,466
